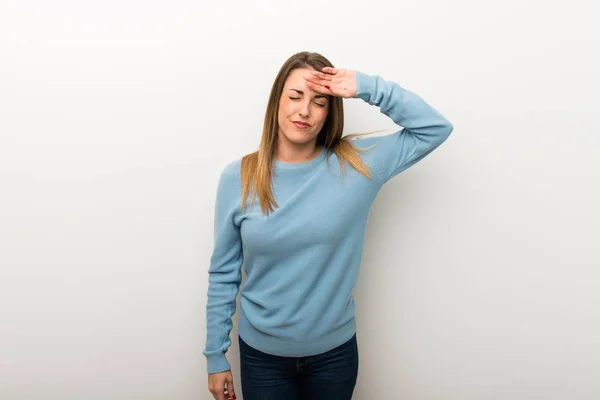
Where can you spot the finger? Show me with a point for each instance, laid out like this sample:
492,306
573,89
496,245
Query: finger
230,389
312,79
218,390
318,88
317,81
330,70
220,395
321,75
317,84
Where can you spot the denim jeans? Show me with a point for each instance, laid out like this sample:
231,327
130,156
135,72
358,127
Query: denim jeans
327,376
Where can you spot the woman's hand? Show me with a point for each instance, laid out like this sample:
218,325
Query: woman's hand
221,385
333,81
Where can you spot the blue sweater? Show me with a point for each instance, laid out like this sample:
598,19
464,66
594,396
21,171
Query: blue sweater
302,261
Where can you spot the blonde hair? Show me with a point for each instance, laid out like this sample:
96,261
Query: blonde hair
256,167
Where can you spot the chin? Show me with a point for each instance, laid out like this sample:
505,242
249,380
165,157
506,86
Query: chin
299,137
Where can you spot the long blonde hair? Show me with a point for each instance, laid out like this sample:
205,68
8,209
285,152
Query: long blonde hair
256,167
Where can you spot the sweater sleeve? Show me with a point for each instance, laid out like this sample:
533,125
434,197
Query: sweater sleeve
423,127
224,270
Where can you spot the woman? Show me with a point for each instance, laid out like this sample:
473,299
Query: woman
294,213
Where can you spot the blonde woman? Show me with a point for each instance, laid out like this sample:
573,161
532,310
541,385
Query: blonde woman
294,215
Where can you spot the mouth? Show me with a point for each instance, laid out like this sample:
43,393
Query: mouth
301,125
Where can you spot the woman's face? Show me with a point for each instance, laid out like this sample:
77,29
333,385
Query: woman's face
302,111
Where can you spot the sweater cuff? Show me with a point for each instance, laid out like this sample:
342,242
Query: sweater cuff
217,363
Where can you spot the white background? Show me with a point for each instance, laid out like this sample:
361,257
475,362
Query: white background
480,277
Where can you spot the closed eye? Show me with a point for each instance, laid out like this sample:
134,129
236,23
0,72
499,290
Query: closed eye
298,98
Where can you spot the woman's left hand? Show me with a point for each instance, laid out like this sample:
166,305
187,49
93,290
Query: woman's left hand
333,81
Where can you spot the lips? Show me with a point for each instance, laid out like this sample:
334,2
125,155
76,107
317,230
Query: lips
301,124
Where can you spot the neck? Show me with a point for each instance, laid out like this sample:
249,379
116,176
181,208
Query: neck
296,153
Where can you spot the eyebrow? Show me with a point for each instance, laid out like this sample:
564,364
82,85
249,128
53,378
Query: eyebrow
319,96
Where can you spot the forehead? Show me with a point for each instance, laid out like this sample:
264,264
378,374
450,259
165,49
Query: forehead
296,80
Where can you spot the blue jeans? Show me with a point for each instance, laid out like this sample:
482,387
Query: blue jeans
327,376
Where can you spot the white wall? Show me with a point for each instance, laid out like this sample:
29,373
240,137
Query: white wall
481,270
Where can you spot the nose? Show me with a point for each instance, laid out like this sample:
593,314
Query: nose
305,109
